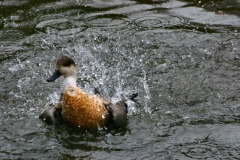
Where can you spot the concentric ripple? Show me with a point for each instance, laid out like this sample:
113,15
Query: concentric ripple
159,21
106,21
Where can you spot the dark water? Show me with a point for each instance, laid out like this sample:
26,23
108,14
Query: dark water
182,57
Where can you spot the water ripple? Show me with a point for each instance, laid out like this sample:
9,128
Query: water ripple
159,21
106,21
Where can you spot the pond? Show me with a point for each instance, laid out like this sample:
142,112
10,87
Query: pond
181,56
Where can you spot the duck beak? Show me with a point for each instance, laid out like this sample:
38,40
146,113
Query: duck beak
54,76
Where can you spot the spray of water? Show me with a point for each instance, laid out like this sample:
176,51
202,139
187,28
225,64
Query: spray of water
114,64
113,72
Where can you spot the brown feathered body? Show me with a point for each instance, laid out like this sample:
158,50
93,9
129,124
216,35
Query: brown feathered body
83,110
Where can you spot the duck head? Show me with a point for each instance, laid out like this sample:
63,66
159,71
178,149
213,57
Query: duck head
65,66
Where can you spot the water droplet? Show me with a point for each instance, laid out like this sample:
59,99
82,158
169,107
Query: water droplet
32,109
103,116
169,112
186,117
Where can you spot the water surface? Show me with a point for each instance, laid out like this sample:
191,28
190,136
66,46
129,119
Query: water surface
182,57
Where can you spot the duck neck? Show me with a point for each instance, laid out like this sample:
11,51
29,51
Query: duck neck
69,82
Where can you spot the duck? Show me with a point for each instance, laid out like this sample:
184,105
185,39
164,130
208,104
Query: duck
77,108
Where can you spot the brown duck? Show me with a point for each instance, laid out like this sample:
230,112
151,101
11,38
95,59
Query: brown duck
80,109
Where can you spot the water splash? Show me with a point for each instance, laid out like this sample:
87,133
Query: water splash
23,82
147,93
17,67
112,80
53,98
